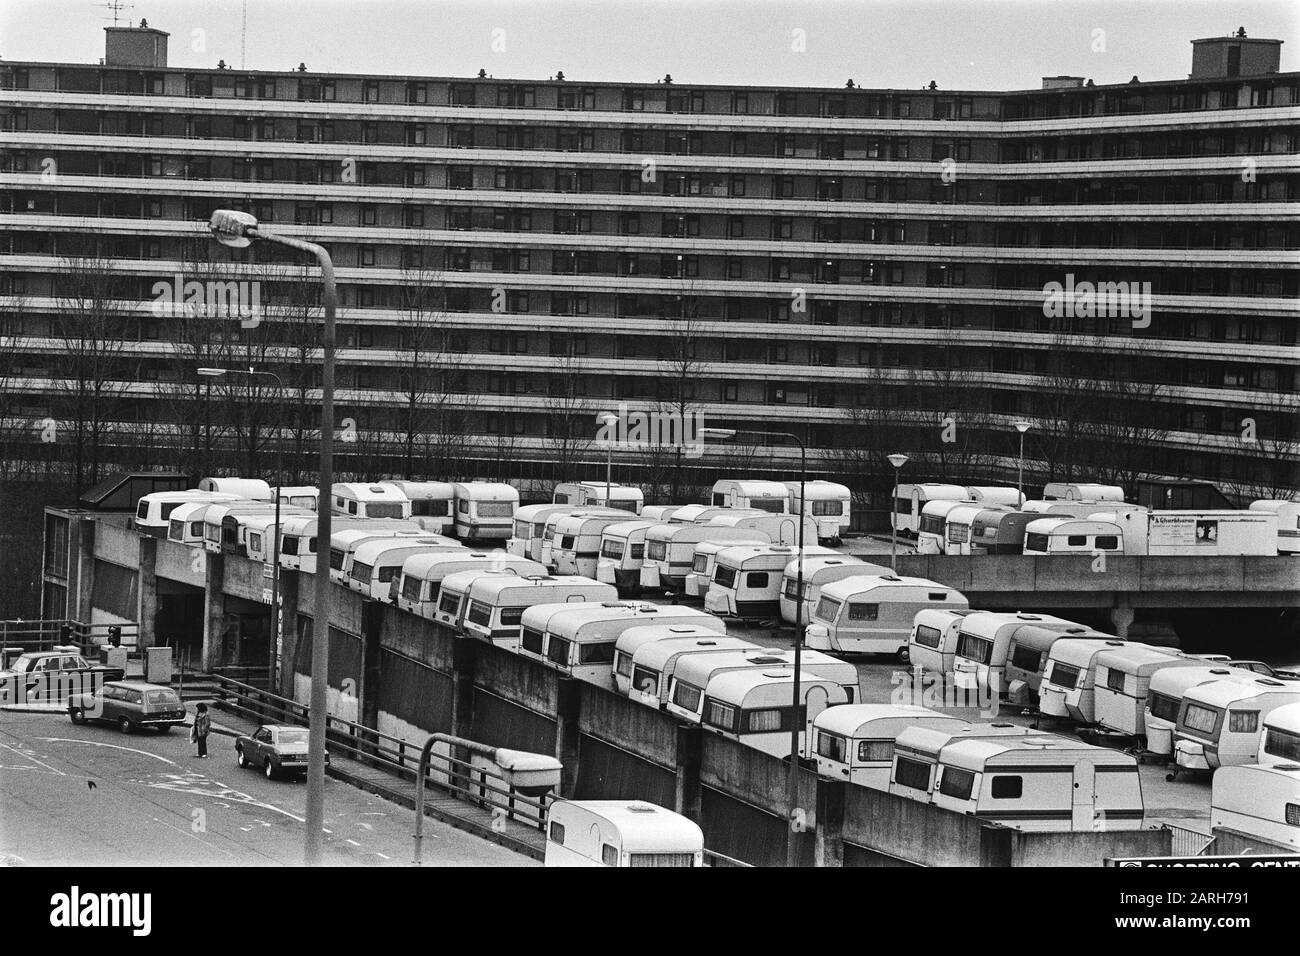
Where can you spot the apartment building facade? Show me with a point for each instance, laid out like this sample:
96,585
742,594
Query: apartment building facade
871,270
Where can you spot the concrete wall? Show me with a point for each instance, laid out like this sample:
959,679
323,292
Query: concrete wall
627,724
756,778
920,832
1087,849
117,544
1235,843
176,562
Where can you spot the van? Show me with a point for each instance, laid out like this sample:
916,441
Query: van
1043,783
485,510
416,589
912,499
747,579
770,496
855,742
959,531
693,672
1073,536
494,604
622,552
932,533
254,489
153,511
1028,652
779,529
873,613
828,504
221,524
1288,523
1081,491
1200,532
431,503
374,566
620,833
705,559
185,524
755,707
817,572
1165,698
932,643
1221,722
1260,801
645,658
984,644
1124,680
453,594
358,499
592,493
252,534
1069,681
529,523
670,552
1000,532
580,640
1280,740
917,750
575,549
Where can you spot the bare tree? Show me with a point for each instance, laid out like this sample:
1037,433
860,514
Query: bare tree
679,378
570,419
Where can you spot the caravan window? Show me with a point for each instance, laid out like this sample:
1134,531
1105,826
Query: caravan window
638,552
928,636
827,509
557,650
1163,706
143,511
1076,540
645,680
975,649
1115,679
1243,721
1107,542
609,855
1035,542
1065,675
512,616
361,571
557,833
411,588
1293,814
521,529
719,714
611,549
864,612
766,721
831,746
699,563
774,505
1200,718
724,576
430,507
531,640
1279,743
686,696
661,859
756,580
1007,788
479,613
932,524
388,572
827,609
792,588
957,783
289,545
566,542
1026,658
602,653
875,751
493,509
656,550
449,603
912,773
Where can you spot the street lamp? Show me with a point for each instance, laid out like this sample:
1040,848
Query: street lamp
609,420
1021,427
273,651
898,461
792,783
238,230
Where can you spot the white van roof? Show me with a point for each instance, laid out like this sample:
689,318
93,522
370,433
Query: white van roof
656,652
940,508
752,487
624,529
254,488
423,489
848,719
489,588
371,551
814,563
1080,651
363,491
1221,693
642,827
820,490
419,565
542,511
860,584
486,491
1133,658
736,556
736,686
1040,748
461,581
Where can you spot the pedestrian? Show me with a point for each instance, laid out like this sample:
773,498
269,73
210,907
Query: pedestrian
199,732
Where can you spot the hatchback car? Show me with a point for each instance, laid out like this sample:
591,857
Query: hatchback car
276,749
132,705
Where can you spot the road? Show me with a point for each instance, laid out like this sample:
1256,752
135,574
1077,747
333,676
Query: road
92,796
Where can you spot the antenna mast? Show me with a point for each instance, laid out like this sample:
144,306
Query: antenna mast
243,33
116,6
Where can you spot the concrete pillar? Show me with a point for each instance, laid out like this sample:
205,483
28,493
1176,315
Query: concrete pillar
147,607
464,661
690,752
289,589
80,600
1121,615
828,848
567,711
372,621
214,613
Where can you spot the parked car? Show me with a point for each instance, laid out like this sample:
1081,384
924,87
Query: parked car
51,675
130,704
1264,670
276,749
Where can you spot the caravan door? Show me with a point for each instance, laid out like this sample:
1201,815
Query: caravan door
815,701
1085,796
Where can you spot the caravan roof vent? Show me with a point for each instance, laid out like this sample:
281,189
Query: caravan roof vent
680,630
767,660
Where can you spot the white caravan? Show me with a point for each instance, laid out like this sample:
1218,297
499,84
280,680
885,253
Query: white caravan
360,500
1262,802
670,552
873,614
422,575
754,707
254,489
645,658
932,537
1288,523
549,539
374,566
996,496
855,742
1165,698
1081,491
770,496
747,579
828,504
984,643
620,833
1280,741
575,548
530,528
705,559
691,676
485,510
1000,532
592,493
779,529
912,499
1073,536
1123,682
298,536
817,573
431,503
659,514
344,542
1200,532
494,604
300,496
1028,652
154,511
932,643
1070,677
959,528
1220,723
185,523
917,749
622,552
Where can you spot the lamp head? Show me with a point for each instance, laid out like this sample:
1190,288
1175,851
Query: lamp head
898,461
1023,427
233,228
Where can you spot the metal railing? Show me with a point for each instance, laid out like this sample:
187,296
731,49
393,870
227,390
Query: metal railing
714,859
474,784
1186,842
44,635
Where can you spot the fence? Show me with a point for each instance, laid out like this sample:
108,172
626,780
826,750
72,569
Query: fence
1188,842
44,635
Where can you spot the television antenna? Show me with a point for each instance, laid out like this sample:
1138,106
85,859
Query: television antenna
117,6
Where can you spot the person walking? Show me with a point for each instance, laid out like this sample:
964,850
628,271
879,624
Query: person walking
202,726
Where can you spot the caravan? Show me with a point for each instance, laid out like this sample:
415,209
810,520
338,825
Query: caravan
1221,722
770,496
932,536
1000,532
373,566
659,514
300,496
912,499
493,605
705,559
645,658
1124,676
817,572
360,500
984,643
575,548
1260,801
154,511
747,579
1027,655
254,489
873,614
586,494
530,528
1082,491
996,496
1288,523
932,643
431,503
1280,741
779,529
343,543
1165,698
754,707
485,510
622,552
549,542
298,536
416,590
185,523
1073,536
580,640
1159,533
670,552
917,750
855,742
1069,681
693,672
959,528
828,504
620,833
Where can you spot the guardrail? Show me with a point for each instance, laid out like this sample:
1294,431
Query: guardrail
44,635
1187,842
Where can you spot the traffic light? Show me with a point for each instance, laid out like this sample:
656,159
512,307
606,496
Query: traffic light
115,635
65,633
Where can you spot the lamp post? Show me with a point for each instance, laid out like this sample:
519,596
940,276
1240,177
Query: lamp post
238,230
898,461
792,782
273,650
609,420
1021,427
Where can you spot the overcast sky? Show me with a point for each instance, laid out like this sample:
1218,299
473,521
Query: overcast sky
961,44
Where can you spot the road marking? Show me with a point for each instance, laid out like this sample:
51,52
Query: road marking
194,836
354,842
384,856
365,826
98,743
27,756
